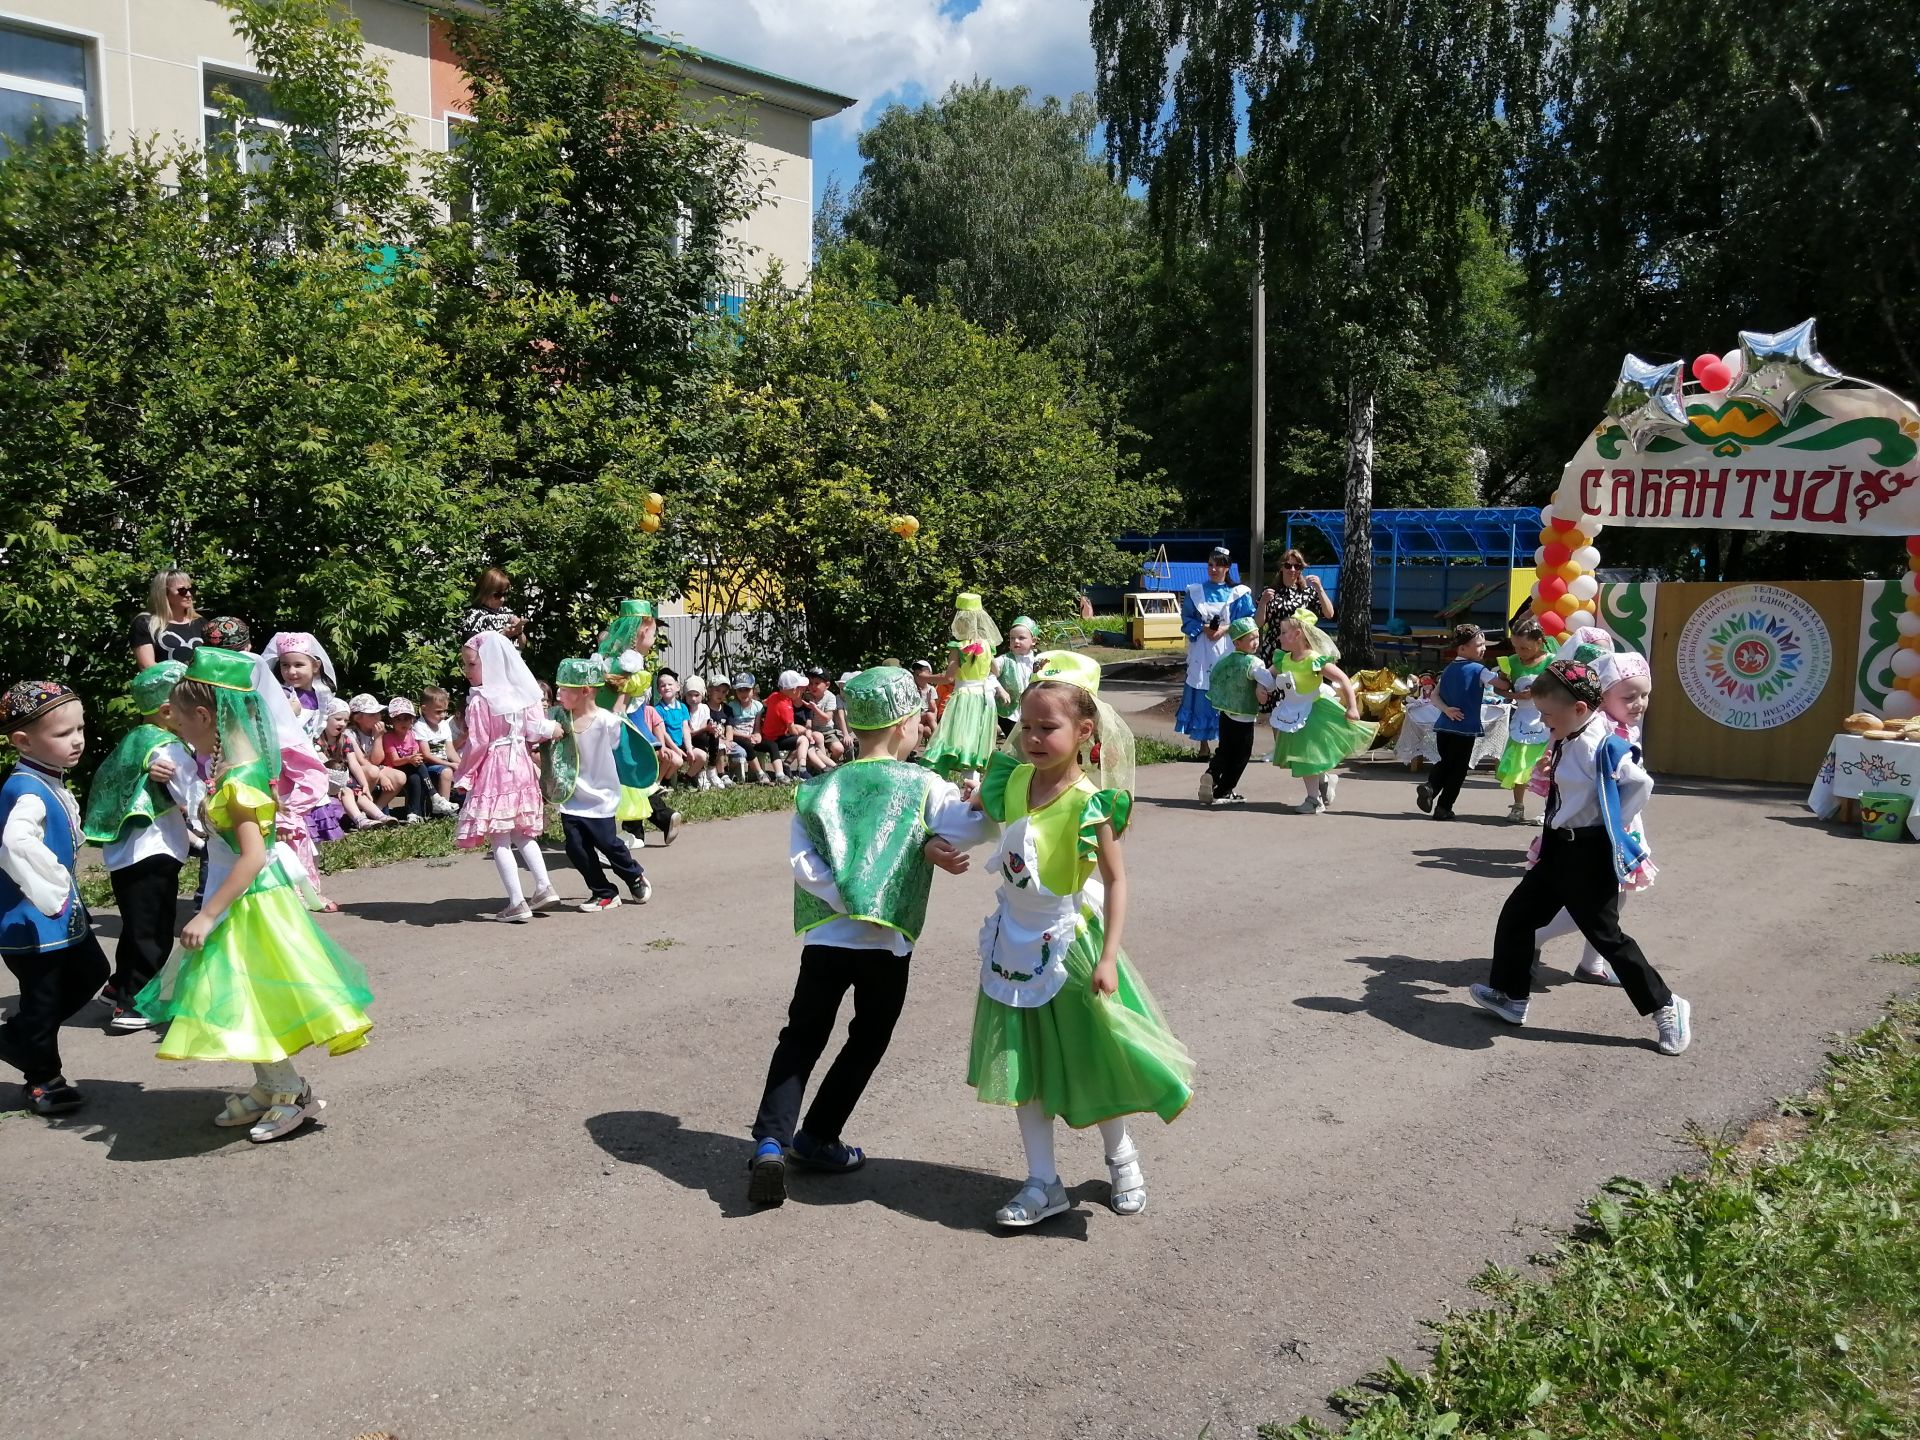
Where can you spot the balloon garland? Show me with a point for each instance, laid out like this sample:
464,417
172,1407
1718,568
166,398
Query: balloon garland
1903,695
653,512
1566,592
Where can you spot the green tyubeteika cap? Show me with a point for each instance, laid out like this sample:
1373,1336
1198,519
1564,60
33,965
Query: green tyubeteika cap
580,675
1242,627
881,697
223,669
151,687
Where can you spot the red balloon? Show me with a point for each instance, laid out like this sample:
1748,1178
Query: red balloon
1715,377
1552,623
1703,363
1557,555
1913,544
1552,590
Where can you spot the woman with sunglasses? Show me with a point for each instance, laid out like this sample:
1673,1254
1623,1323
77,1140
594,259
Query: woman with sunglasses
169,627
1292,591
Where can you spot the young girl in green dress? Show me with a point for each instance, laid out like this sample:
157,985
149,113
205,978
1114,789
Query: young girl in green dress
1526,731
969,726
1062,1026
1319,723
255,979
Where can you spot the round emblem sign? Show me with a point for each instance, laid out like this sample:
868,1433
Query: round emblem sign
1754,657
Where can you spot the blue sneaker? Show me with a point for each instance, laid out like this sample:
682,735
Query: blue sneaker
1494,1002
767,1174
836,1157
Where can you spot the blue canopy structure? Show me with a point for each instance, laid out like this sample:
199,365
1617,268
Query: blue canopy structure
1498,537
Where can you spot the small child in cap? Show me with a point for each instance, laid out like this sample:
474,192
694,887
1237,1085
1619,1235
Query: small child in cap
46,938
143,804
864,842
580,773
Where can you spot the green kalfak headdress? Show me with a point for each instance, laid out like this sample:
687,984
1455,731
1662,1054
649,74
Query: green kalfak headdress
249,748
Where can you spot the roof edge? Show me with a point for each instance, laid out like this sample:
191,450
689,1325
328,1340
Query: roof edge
743,79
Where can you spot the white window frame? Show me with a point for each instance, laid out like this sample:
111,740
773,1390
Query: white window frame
449,119
92,99
222,70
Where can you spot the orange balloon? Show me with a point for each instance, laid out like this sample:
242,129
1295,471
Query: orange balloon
1567,604
649,523
1912,682
1913,563
1570,572
1550,536
1573,539
1910,642
1913,603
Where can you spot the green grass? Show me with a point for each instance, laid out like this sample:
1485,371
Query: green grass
1770,1294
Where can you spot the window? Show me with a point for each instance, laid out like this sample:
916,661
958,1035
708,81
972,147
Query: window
239,140
43,76
465,205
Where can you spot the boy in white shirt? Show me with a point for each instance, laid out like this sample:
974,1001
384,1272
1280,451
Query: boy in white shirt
1587,848
142,808
581,775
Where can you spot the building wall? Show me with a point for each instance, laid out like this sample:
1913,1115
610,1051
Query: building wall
150,57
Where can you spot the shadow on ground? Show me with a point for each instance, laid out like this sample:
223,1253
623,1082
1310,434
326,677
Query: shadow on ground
1427,999
716,1164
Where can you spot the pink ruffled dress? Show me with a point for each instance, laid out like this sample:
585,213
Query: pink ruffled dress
501,775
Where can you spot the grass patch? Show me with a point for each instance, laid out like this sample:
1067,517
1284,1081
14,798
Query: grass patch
1152,750
1770,1294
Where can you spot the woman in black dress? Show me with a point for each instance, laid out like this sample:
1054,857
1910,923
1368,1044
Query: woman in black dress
1292,591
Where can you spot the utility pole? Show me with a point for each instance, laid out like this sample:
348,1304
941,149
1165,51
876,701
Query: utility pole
1255,571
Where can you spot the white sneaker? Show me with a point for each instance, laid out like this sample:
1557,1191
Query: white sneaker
642,892
1328,783
442,807
1675,1023
591,905
514,914
412,820
1036,1201
545,900
1206,787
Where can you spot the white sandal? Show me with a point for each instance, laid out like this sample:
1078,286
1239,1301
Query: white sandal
1128,1181
245,1109
286,1115
1036,1201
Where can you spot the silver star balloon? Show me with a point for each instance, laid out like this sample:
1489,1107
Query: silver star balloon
1647,398
1779,371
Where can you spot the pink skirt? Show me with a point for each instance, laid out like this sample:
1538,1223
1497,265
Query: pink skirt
503,798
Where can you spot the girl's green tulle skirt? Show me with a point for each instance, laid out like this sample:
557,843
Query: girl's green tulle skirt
268,984
1517,762
969,731
1084,1058
1324,741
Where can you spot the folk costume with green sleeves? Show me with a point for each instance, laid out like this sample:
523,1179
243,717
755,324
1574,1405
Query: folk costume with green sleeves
121,793
969,726
1526,732
867,820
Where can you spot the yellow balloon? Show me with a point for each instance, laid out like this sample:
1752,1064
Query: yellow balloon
906,527
1574,539
1566,605
1569,572
649,523
656,504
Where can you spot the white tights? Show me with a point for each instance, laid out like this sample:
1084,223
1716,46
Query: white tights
278,1078
503,851
1562,924
1036,1134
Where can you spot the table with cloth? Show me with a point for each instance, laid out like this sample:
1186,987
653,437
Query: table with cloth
1416,740
1856,766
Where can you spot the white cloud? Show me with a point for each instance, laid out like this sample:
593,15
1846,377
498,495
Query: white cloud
877,50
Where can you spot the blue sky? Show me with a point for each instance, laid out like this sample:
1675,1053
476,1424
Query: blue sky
881,51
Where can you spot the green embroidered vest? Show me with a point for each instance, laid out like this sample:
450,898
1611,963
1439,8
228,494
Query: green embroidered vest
120,791
1231,689
867,820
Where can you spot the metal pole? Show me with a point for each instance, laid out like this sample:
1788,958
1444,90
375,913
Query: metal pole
1257,549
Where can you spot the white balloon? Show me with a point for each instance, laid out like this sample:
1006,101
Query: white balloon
1592,524
1539,556
1908,623
1587,558
1906,663
1902,706
1583,588
1579,619
1734,363
1546,517
1910,582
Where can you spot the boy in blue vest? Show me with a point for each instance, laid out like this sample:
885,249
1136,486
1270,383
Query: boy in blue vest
863,844
45,937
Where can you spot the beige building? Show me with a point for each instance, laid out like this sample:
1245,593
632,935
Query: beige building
125,68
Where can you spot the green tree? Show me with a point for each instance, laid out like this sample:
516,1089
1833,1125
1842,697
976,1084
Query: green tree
1374,132
840,414
993,198
1710,168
